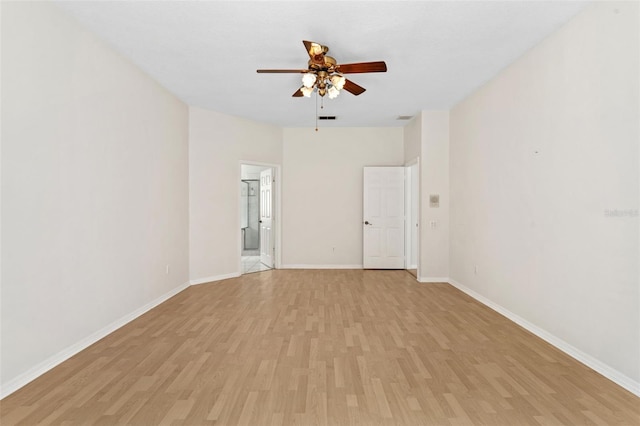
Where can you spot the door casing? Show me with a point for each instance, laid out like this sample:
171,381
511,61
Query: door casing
277,209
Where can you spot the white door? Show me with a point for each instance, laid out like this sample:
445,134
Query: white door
383,218
267,246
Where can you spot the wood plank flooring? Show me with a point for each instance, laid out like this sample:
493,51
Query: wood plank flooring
323,347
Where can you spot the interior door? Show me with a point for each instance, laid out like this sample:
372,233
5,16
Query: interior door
267,244
383,218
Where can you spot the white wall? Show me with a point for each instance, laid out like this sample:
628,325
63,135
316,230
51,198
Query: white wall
94,189
538,156
217,144
412,137
426,137
322,187
434,171
251,172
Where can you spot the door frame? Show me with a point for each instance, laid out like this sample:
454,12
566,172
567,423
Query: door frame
277,211
408,224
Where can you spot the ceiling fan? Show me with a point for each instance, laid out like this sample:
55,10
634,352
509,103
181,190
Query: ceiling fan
324,74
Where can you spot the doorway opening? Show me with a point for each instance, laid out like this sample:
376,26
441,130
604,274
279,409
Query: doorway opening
412,200
257,218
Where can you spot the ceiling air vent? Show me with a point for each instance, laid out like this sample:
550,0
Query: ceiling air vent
404,117
326,117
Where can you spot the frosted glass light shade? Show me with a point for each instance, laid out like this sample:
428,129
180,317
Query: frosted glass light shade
308,80
306,91
338,81
333,92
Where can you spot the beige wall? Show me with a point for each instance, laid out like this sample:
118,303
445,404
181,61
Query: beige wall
538,157
322,187
434,171
217,144
94,190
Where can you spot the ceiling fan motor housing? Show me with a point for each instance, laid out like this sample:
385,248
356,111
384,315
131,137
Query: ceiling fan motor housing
327,64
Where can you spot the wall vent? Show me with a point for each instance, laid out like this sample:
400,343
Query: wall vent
326,117
404,117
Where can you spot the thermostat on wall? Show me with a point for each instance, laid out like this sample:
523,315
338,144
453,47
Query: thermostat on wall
434,200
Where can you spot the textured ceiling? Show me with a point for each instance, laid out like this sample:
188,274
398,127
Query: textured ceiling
207,52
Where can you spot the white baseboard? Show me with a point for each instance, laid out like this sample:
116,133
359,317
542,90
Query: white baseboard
591,362
321,266
214,278
433,279
41,368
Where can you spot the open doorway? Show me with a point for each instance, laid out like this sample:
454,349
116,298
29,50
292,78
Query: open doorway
257,218
412,199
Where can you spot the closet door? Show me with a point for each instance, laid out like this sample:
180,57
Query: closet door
383,218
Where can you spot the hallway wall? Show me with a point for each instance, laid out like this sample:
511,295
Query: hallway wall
217,144
322,191
541,159
94,190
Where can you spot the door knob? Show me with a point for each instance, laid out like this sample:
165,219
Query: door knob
366,222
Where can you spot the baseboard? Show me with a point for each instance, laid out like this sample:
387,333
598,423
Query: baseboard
214,278
433,279
321,266
33,373
591,362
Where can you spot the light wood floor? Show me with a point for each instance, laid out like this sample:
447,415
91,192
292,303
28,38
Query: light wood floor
321,348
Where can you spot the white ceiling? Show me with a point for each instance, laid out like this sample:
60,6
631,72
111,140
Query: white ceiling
207,52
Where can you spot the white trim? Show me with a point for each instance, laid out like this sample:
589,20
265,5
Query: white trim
407,216
321,266
434,279
591,362
41,368
214,278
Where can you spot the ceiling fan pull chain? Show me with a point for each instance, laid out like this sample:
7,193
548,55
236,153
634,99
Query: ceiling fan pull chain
316,111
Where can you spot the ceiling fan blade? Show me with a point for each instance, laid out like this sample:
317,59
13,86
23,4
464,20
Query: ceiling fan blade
353,88
282,71
315,51
298,93
307,45
362,67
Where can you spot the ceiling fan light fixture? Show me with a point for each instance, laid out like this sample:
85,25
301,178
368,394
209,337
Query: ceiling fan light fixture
338,81
306,91
308,80
333,92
